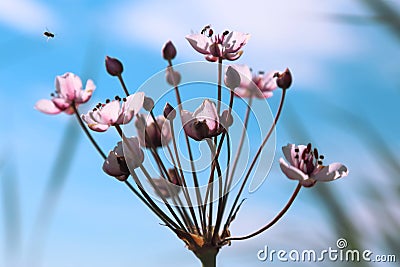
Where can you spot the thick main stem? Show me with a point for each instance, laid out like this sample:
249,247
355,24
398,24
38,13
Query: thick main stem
208,256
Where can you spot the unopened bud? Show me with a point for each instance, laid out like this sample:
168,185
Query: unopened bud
284,79
168,51
169,112
232,78
148,103
173,77
114,66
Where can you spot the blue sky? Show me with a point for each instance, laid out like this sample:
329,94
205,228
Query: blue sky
336,66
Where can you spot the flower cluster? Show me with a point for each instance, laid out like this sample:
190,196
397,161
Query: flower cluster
195,216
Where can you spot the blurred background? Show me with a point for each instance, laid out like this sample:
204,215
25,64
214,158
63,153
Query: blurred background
59,209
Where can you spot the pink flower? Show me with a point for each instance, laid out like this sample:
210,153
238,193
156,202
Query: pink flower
226,45
113,113
145,126
116,163
259,85
305,165
204,122
68,92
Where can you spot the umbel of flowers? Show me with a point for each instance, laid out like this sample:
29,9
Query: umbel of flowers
201,222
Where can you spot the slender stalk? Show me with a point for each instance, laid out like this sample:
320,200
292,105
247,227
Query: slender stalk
241,142
219,85
88,134
121,80
194,174
275,220
143,169
184,186
256,157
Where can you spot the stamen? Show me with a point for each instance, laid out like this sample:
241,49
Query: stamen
297,156
124,99
315,153
225,33
319,162
107,101
308,147
117,98
261,72
52,94
296,150
321,157
94,109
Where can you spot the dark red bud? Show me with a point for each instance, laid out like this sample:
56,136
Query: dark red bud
284,79
169,112
114,66
168,51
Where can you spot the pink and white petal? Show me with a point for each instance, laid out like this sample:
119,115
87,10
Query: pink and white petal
65,85
200,43
235,40
85,95
332,172
61,103
288,152
109,113
133,152
47,106
92,124
134,102
245,74
76,83
208,112
292,172
233,56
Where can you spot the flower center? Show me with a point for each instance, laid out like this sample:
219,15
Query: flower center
308,160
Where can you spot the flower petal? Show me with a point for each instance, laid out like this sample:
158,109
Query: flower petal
130,108
200,43
292,172
61,103
84,96
92,124
47,106
68,85
133,153
332,172
289,153
208,112
109,113
235,40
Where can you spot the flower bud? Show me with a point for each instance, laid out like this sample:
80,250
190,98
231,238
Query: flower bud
148,103
232,78
173,77
284,79
169,112
168,51
114,66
